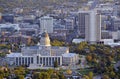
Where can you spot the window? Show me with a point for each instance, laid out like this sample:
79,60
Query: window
40,60
22,61
37,59
16,61
32,60
26,61
47,61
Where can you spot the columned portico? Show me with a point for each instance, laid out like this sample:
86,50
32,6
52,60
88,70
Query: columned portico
47,60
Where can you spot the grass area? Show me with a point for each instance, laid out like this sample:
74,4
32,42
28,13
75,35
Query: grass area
85,71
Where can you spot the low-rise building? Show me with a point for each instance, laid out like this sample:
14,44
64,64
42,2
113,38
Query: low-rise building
9,27
69,58
28,31
19,39
106,34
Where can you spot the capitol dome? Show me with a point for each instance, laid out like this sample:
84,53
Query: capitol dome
45,40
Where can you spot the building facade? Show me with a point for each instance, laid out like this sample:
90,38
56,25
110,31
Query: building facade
46,22
81,22
20,39
89,25
93,27
9,27
42,55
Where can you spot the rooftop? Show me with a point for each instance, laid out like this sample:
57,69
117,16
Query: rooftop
57,47
14,55
8,25
69,55
31,47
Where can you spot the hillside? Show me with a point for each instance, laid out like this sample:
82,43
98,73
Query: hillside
10,4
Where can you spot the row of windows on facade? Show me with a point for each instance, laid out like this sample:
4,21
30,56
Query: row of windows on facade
24,60
40,60
48,60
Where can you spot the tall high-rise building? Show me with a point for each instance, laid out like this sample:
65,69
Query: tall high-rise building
116,9
93,29
90,26
46,23
81,22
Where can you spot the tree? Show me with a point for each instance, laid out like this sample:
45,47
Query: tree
44,75
69,71
57,43
90,75
50,71
41,75
92,48
112,74
35,75
89,58
105,77
1,76
86,77
81,46
20,77
61,76
19,71
54,76
55,64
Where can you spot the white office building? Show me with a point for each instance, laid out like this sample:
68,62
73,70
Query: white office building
9,27
92,27
46,23
42,55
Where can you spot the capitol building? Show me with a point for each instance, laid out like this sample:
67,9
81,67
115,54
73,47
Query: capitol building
43,55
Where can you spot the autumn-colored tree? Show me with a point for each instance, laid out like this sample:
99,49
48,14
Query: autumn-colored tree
57,43
69,71
92,48
89,58
81,46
